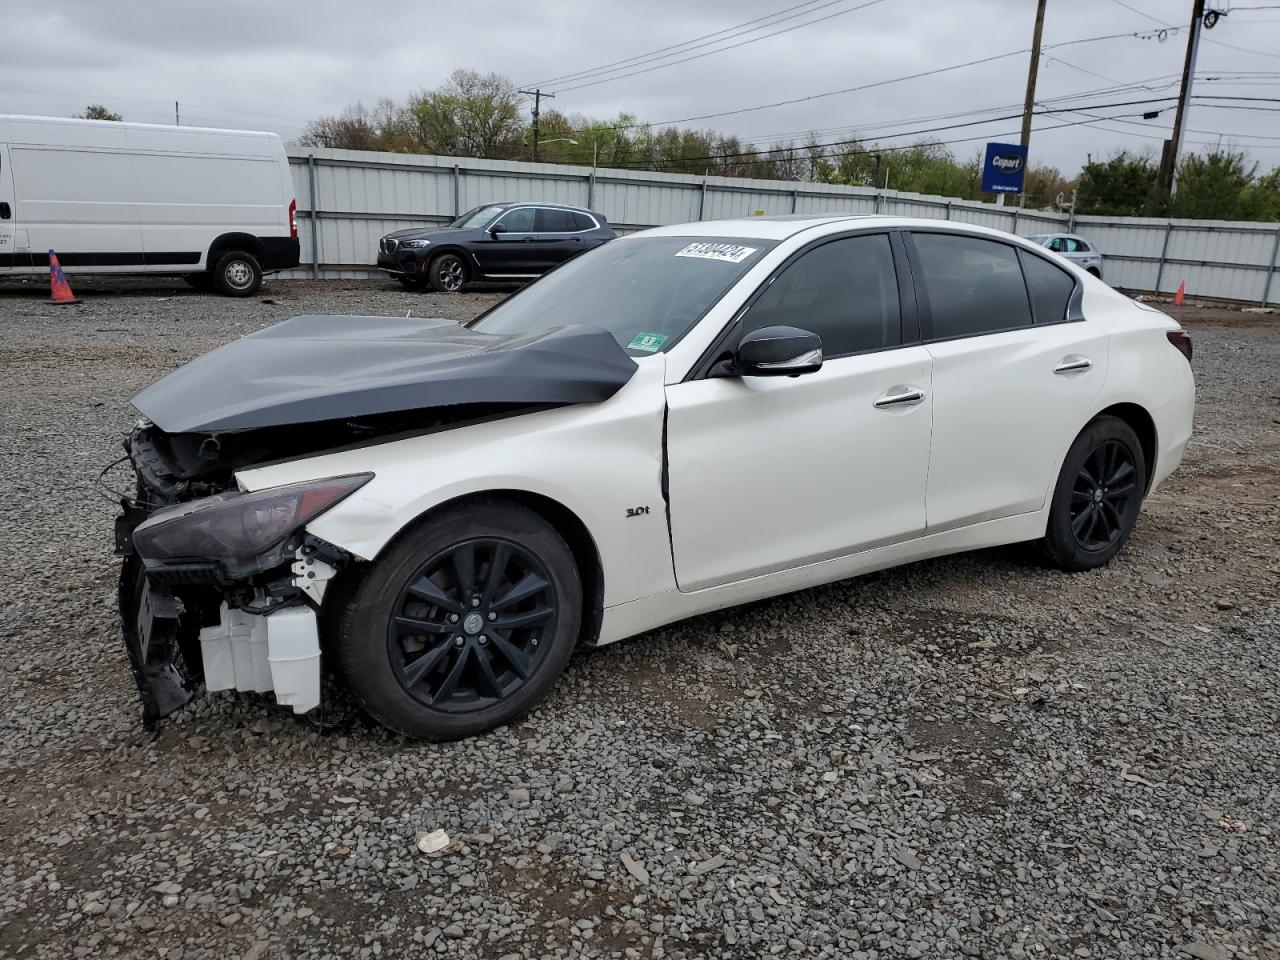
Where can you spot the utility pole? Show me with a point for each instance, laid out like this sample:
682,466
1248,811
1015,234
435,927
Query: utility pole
1029,104
537,110
1170,167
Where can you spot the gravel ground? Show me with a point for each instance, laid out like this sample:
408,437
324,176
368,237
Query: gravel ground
972,756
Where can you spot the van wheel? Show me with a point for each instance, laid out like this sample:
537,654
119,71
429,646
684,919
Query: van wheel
238,274
199,281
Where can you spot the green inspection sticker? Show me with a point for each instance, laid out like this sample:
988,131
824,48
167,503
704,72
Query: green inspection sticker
648,342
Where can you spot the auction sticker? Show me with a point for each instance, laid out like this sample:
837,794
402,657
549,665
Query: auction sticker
648,342
728,252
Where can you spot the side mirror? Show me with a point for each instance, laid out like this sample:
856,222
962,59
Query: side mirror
496,229
778,352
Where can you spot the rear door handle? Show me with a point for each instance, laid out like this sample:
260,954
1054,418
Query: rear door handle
1073,365
900,397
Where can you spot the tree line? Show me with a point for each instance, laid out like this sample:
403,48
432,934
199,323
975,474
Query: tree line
481,115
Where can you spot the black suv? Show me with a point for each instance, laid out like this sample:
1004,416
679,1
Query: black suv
499,241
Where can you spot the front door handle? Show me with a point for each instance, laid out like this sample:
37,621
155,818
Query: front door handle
1075,364
900,397
528,239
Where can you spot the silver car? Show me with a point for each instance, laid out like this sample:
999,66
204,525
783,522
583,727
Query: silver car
1073,248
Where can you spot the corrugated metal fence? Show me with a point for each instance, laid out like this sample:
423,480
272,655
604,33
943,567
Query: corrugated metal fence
354,198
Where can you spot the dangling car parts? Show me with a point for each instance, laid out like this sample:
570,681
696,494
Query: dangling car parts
679,421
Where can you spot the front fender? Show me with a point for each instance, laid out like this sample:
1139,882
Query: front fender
600,461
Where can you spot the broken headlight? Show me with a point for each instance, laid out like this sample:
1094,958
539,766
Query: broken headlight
233,526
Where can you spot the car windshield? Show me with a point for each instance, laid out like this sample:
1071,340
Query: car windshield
477,217
646,291
1040,238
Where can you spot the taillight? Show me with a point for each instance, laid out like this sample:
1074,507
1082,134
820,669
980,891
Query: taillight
1182,340
293,218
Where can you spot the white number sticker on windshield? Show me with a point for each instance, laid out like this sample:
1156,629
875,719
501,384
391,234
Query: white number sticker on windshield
728,252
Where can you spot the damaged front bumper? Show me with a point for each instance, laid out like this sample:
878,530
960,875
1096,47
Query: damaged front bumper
181,628
223,588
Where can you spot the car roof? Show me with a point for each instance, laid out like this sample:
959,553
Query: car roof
509,204
786,226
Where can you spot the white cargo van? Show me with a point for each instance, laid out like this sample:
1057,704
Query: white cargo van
215,206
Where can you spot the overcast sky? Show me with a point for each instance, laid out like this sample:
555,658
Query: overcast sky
274,64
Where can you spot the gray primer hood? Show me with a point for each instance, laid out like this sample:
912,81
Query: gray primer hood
316,368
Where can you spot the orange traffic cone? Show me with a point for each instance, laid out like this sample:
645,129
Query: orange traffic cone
59,289
1181,294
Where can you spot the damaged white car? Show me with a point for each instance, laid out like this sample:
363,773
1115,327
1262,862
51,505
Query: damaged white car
681,420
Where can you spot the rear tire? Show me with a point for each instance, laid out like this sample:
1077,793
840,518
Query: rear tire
1099,494
237,274
447,273
466,622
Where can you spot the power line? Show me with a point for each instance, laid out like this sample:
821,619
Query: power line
1142,13
873,85
734,46
1217,43
866,128
763,154
942,143
676,48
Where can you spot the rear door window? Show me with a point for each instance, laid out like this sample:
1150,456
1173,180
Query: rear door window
845,291
554,221
974,286
1050,288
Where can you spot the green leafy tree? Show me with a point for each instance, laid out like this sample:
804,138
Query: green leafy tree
473,115
1124,184
96,111
1042,186
1222,186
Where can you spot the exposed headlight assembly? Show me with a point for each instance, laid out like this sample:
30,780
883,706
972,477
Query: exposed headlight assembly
415,243
238,526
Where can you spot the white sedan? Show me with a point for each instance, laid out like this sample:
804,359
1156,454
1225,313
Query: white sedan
682,420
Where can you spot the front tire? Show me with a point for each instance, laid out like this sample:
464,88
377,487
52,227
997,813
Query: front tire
237,274
1099,493
448,273
465,624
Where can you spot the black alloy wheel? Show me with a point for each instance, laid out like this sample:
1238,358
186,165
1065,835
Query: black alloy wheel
1098,496
463,623
470,626
1101,495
